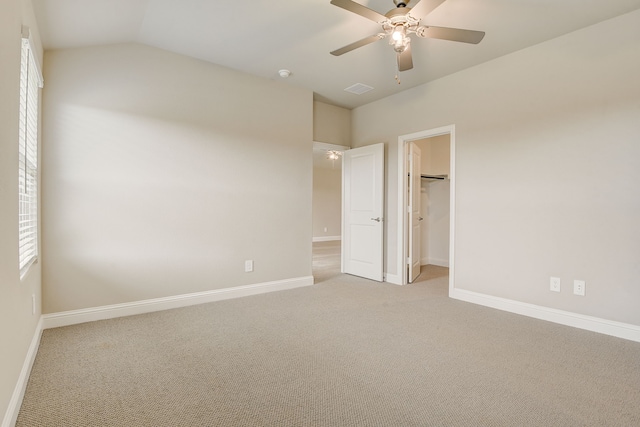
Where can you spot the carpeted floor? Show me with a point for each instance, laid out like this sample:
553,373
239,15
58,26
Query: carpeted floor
344,352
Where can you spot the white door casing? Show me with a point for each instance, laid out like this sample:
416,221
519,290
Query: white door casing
402,193
362,211
414,213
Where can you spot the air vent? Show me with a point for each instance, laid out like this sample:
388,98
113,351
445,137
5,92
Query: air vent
358,88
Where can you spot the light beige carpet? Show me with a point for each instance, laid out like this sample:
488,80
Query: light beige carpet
344,352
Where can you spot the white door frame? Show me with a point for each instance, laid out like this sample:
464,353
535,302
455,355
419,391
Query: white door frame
413,213
402,198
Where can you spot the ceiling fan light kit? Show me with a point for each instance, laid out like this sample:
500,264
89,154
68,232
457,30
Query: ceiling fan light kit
399,39
333,154
399,23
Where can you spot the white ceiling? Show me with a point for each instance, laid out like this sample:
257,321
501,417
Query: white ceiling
261,37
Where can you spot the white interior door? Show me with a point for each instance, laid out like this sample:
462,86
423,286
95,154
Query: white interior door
362,205
413,212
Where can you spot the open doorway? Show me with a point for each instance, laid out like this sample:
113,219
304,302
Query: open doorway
327,210
434,241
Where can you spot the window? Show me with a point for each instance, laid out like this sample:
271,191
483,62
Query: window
30,82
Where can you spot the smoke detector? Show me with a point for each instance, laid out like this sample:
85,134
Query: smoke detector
284,73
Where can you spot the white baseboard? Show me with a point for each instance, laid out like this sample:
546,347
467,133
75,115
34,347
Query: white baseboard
393,278
440,262
11,415
74,317
326,238
589,323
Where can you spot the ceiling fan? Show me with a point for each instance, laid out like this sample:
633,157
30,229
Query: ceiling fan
399,23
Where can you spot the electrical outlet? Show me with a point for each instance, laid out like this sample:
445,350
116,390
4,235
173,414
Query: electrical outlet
33,304
554,284
325,229
248,266
579,287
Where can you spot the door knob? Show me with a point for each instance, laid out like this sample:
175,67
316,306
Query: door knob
420,218
378,219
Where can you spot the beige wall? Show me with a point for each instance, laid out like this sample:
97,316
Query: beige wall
547,166
164,174
436,154
435,237
17,323
331,124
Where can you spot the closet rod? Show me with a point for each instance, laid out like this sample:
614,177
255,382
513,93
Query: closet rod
434,176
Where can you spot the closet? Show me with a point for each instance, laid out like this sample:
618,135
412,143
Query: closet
434,199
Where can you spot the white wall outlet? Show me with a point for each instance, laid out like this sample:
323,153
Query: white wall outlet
248,266
33,303
554,284
325,229
579,287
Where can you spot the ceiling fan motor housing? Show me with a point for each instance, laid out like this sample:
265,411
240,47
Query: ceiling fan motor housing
400,17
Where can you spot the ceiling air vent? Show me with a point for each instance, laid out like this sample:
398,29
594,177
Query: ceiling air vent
358,88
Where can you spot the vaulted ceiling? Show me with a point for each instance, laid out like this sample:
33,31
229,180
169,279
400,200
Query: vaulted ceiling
261,37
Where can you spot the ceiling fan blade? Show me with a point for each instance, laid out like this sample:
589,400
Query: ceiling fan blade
365,41
359,9
453,34
424,7
405,61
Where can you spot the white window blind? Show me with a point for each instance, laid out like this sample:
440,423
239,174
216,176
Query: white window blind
30,82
